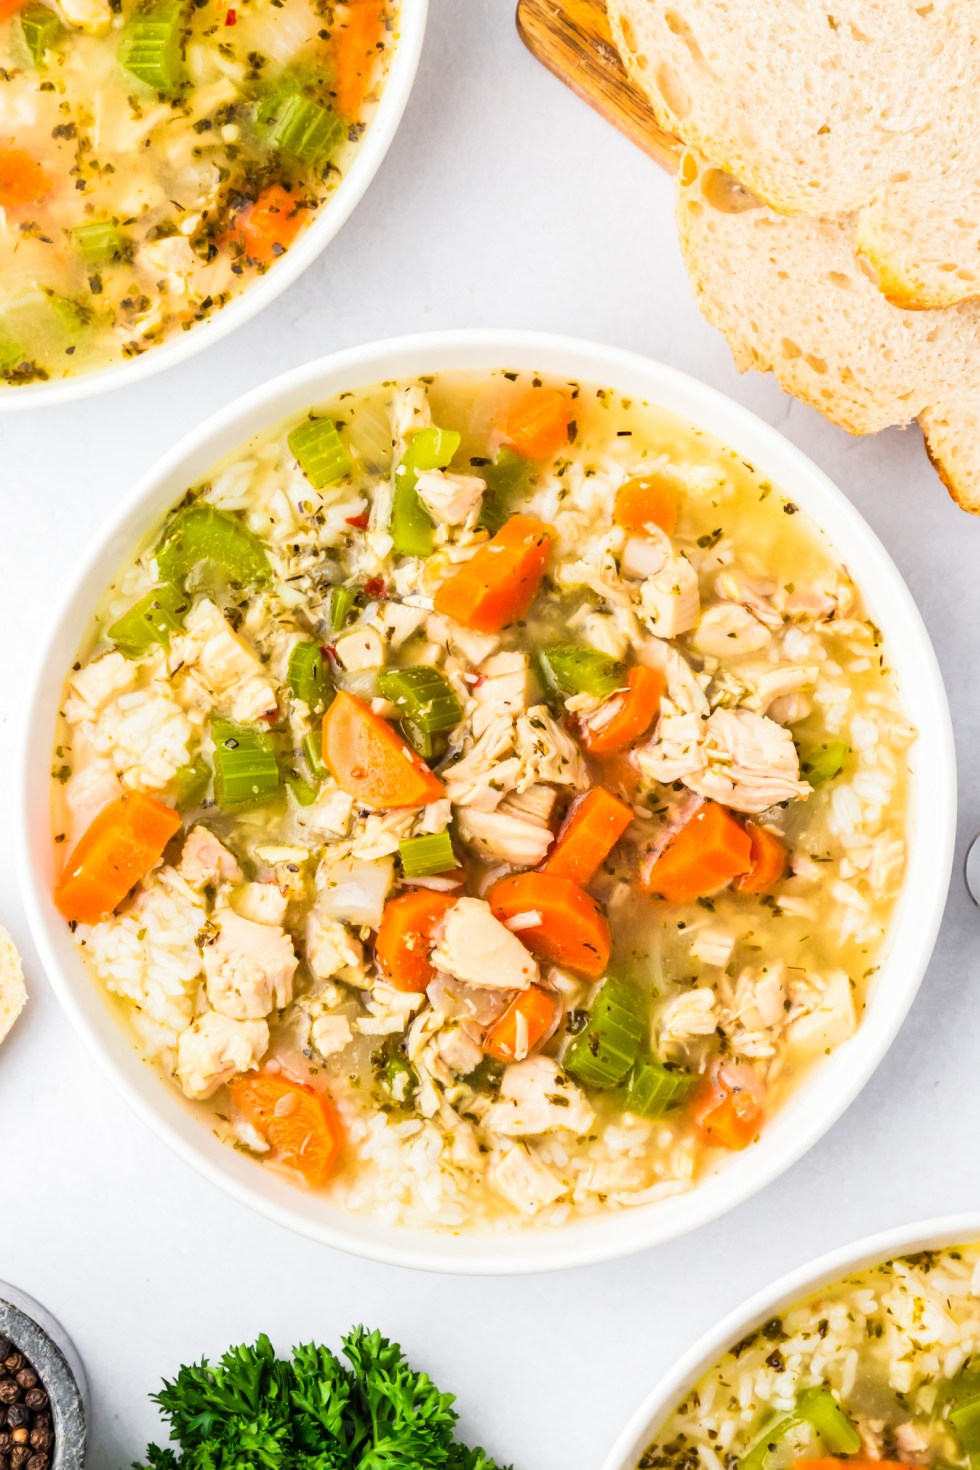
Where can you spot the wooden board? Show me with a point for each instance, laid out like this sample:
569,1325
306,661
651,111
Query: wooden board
572,39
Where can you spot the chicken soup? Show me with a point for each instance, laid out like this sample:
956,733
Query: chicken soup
156,158
876,1372
485,798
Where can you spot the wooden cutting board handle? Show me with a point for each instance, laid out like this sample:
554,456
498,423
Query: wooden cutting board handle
572,39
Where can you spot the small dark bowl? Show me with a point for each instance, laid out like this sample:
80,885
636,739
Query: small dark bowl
51,1353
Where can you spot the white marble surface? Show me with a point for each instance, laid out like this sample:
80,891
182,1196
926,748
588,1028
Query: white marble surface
504,201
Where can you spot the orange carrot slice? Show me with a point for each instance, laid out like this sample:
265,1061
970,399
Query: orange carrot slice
768,857
404,939
537,424
590,832
267,228
705,855
728,1108
120,847
526,1022
634,712
571,929
300,1123
22,179
369,759
644,502
355,46
497,585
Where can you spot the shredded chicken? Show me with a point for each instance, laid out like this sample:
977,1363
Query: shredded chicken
506,837
749,762
226,664
205,861
727,629
249,968
477,948
451,500
521,1177
537,1097
670,600
216,1048
502,689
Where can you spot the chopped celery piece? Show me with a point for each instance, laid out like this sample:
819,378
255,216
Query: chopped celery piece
653,1089
205,541
965,1419
411,527
322,457
342,603
150,622
424,697
192,784
37,30
150,48
37,328
423,856
421,741
308,678
822,763
508,476
303,791
313,751
299,125
246,773
575,668
777,1430
819,1408
603,1052
99,243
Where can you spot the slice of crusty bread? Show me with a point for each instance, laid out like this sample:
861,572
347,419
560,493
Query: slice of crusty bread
13,993
823,109
792,297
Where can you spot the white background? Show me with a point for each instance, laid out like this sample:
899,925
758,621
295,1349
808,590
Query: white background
504,202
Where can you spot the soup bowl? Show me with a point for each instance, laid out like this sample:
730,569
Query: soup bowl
948,1230
330,218
829,1085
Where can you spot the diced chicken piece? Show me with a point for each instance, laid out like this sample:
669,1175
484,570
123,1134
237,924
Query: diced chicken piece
760,997
675,751
216,1048
521,1177
472,646
206,862
354,889
504,837
790,709
96,684
913,1441
476,947
728,628
330,1035
685,686
670,600
87,791
737,587
451,500
751,762
330,947
537,1097
813,604
503,690
461,1053
249,968
227,665
489,769
263,903
398,621
331,813
536,804
410,412
644,556
713,945
830,1022
688,1015
603,630
887,861
389,1010
777,682
361,648
548,753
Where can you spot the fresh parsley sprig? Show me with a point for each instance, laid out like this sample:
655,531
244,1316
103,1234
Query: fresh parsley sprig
255,1411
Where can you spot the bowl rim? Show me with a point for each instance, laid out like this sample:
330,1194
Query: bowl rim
830,1084
882,1245
330,218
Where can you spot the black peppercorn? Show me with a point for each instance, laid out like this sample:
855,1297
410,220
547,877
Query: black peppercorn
36,1398
9,1392
18,1415
19,1456
38,1462
20,1436
6,1347
27,1378
41,1438
14,1361
4,1441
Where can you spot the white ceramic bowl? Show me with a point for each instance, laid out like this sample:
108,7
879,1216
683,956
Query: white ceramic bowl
830,1085
316,237
770,1302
